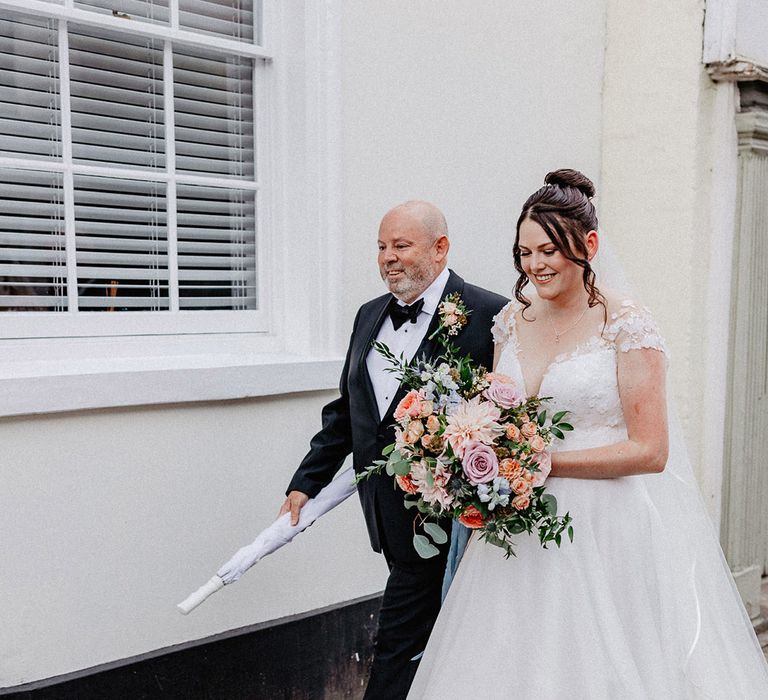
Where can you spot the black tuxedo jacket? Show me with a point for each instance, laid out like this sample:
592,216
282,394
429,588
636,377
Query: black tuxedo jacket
351,422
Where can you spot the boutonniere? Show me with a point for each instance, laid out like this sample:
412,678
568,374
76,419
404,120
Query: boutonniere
453,314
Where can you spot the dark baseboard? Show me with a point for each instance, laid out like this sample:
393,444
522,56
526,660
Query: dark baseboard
318,656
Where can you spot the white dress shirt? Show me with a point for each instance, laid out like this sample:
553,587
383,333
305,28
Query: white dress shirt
405,340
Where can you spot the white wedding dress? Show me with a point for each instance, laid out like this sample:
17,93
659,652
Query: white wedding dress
639,605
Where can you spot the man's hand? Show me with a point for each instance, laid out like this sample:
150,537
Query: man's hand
294,503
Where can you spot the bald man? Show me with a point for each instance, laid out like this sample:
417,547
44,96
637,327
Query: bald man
413,252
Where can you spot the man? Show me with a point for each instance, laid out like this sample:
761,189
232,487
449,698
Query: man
413,249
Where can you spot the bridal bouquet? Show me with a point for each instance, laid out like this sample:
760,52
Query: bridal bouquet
470,446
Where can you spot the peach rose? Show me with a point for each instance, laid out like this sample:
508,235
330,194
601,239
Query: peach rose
433,424
427,408
513,433
448,307
510,469
406,483
409,406
528,430
537,443
471,517
413,432
426,440
521,486
450,319
521,502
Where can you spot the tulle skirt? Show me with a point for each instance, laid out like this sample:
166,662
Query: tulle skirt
629,609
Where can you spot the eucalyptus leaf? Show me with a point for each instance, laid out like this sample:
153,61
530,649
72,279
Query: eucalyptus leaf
424,548
401,468
388,449
410,504
550,503
438,535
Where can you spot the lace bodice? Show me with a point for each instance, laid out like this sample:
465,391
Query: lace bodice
584,380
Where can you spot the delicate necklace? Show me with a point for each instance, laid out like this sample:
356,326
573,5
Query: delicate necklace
570,328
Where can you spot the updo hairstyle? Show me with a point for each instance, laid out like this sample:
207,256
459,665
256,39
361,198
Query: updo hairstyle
563,208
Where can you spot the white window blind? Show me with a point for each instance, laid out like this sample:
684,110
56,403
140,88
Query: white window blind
128,163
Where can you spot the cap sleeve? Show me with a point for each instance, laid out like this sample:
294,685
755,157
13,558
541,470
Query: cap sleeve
504,322
633,327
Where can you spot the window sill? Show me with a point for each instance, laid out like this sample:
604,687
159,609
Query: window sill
44,386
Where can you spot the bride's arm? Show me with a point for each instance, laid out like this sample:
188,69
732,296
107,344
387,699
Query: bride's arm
641,379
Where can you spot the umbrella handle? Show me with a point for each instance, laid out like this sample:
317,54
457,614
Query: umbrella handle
192,601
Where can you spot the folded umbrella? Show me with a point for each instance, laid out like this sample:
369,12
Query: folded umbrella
275,536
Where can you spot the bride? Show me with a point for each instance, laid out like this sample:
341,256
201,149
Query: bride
641,604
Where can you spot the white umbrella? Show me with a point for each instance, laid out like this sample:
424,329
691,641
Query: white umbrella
275,536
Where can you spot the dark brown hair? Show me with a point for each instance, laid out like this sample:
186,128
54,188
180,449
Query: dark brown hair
563,208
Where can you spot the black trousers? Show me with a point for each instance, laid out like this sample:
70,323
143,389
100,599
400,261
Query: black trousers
408,611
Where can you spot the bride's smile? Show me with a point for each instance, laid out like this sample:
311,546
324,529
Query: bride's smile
556,278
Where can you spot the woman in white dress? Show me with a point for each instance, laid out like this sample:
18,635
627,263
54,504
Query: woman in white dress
641,604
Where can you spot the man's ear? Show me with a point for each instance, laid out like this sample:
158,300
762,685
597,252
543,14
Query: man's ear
442,245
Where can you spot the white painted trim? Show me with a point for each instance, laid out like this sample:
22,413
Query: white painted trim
720,31
147,29
51,324
40,387
154,175
171,231
68,176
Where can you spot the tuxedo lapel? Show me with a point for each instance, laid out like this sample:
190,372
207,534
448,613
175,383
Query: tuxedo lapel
428,347
368,334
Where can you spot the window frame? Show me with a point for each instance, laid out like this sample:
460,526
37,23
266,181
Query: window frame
302,341
76,323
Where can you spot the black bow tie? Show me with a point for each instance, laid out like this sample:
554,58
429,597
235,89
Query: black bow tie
400,314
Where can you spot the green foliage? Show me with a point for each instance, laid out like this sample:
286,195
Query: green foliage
437,533
424,548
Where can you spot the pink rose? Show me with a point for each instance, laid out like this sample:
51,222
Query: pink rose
504,394
543,461
427,408
448,307
409,406
480,463
537,443
433,424
521,502
513,432
528,430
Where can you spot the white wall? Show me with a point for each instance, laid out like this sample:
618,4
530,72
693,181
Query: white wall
468,105
110,518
